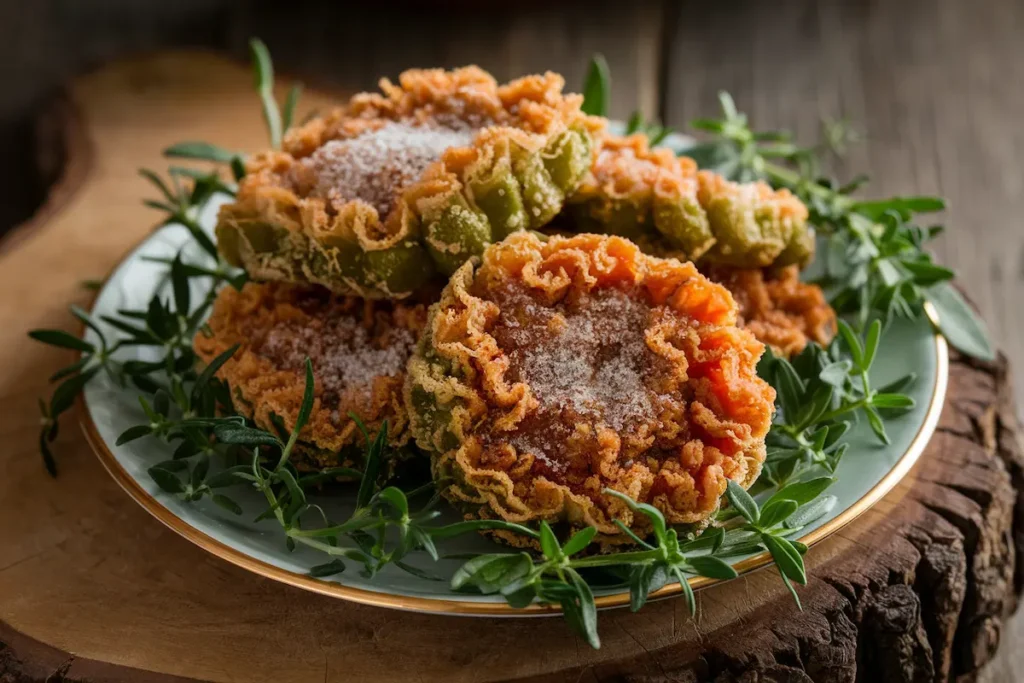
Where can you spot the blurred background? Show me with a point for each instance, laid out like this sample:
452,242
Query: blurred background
931,89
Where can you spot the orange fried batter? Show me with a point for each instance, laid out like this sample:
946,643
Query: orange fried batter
358,348
557,369
468,97
638,191
370,180
778,308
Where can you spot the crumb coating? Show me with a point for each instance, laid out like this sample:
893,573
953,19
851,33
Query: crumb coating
754,225
376,197
645,193
359,350
780,310
558,368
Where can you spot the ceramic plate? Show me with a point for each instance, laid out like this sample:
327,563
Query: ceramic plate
866,473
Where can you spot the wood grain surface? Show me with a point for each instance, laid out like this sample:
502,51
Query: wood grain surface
90,589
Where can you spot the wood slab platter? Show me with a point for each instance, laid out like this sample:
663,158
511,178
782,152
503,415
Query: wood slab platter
94,589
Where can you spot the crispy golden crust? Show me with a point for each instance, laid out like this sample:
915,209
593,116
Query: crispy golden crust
481,160
358,349
634,191
650,194
556,369
778,308
533,104
754,225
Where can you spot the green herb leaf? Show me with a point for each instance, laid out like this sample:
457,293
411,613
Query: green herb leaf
853,343
62,339
836,373
210,370
166,480
776,511
331,568
65,393
580,540
644,579
307,398
133,433
790,563
903,205
597,88
897,386
227,503
803,492
371,468
585,607
742,501
684,584
179,282
289,105
712,567
202,151
892,401
199,471
959,323
396,498
811,511
927,273
490,573
548,543
263,70
652,513
235,433
871,343
877,425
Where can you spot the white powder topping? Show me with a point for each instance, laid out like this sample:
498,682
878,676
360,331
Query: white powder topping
345,357
374,166
584,361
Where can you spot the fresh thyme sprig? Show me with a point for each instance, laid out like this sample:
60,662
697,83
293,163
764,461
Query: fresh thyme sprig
183,196
72,378
818,393
557,576
876,257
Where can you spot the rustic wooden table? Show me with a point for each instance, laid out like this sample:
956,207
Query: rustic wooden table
934,85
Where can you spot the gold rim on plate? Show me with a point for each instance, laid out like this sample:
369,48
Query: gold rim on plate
472,607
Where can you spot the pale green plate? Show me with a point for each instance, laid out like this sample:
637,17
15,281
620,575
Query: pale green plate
865,474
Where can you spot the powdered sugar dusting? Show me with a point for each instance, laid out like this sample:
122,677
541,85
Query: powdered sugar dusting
584,361
375,165
346,355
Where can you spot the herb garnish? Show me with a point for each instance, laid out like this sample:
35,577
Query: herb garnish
819,392
876,262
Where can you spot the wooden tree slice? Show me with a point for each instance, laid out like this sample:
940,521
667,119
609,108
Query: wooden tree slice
92,588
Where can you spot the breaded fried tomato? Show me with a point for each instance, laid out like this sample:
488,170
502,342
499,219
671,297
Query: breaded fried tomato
651,195
375,197
552,370
778,308
358,349
638,192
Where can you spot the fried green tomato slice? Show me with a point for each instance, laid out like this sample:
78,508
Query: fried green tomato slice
638,192
780,310
754,225
557,368
648,195
377,197
358,349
